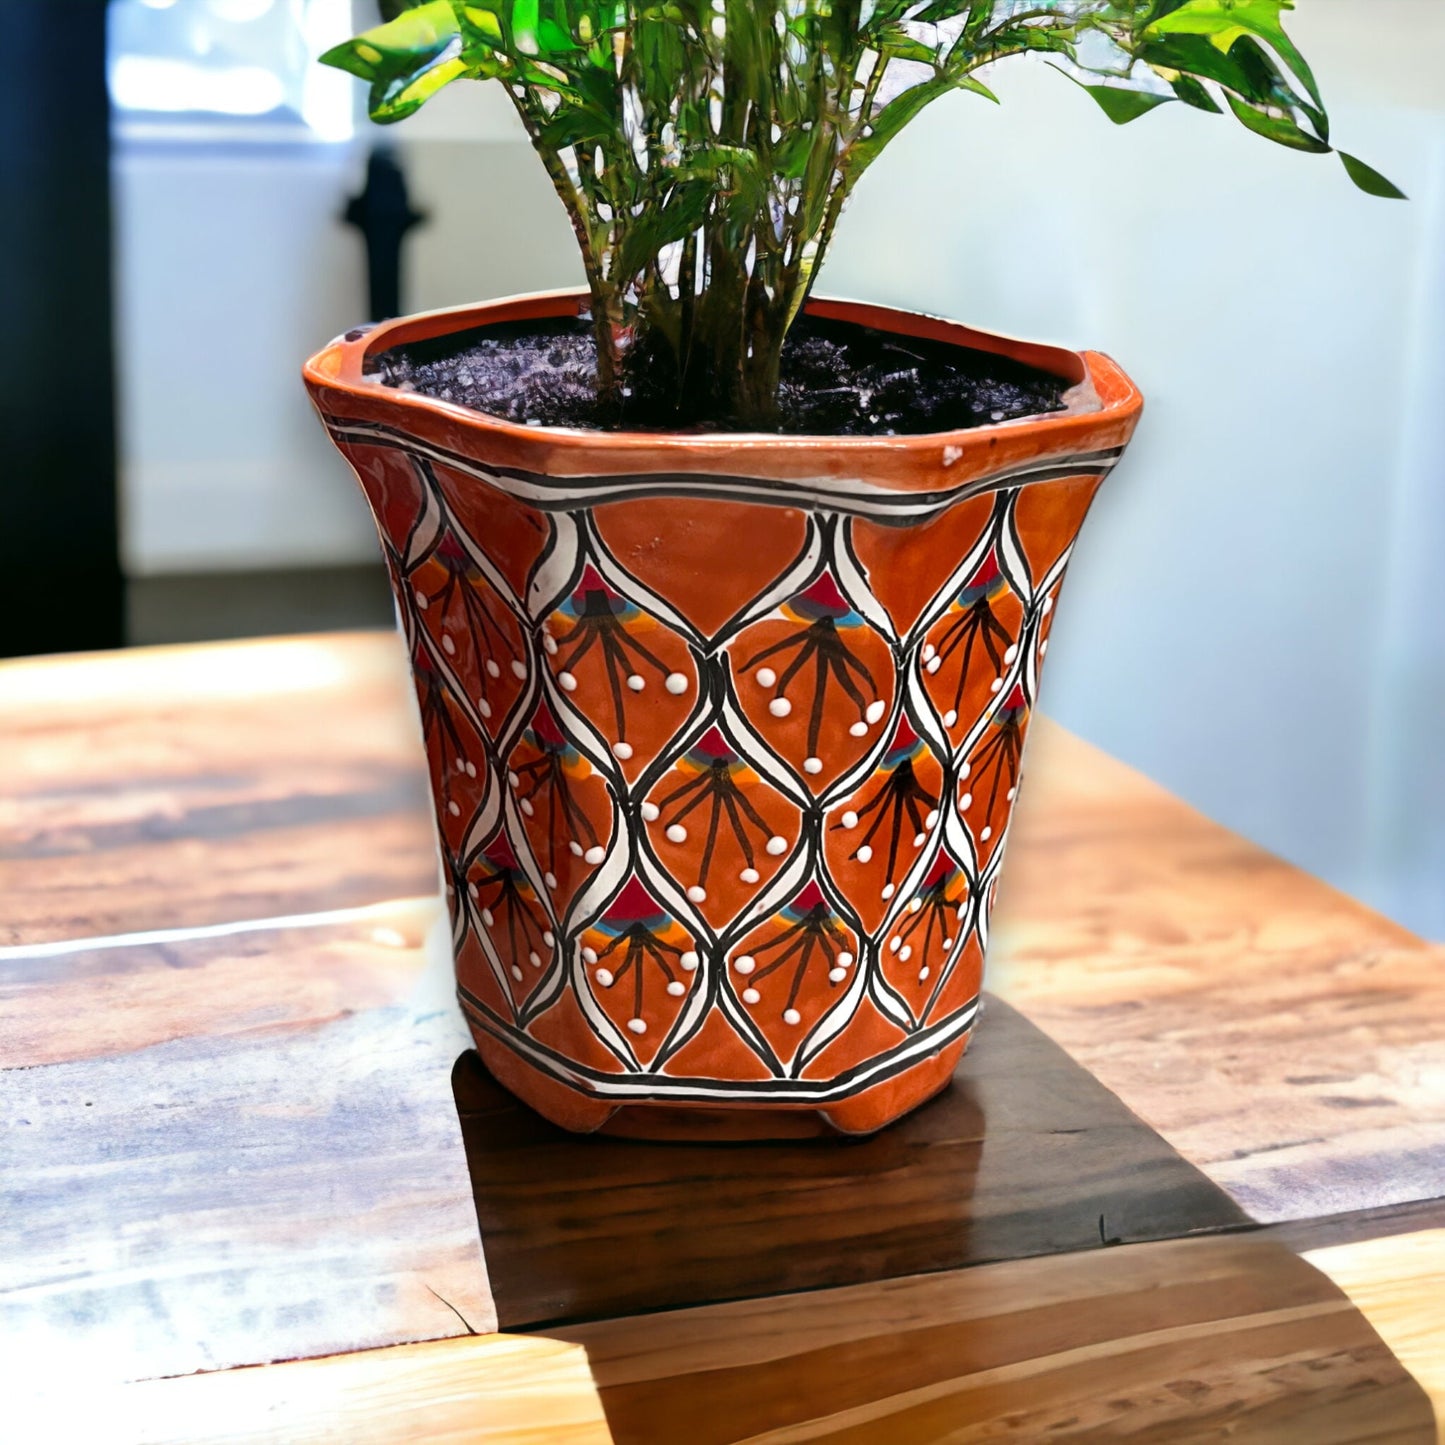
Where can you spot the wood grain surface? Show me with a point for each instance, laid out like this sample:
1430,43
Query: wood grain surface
1231,1337
226,1034
227,1149
481,1390
1399,1285
1024,1154
182,786
1279,1035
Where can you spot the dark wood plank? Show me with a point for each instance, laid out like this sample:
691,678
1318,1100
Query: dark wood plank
178,787
1280,1036
1181,1341
228,1149
1025,1154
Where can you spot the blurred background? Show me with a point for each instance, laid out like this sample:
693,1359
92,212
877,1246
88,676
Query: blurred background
1256,613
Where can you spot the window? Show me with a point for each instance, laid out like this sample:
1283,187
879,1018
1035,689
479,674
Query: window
230,67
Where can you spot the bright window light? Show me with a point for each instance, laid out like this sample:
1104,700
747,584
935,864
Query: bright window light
209,64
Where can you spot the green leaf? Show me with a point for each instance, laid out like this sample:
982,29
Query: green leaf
1369,180
1122,105
1191,92
1225,21
406,61
1278,128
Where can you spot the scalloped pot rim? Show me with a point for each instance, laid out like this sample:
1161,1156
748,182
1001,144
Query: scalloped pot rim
1102,409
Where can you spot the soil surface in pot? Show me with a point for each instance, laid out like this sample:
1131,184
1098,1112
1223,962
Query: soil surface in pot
838,379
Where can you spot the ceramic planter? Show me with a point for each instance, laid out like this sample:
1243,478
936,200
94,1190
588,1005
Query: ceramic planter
724,732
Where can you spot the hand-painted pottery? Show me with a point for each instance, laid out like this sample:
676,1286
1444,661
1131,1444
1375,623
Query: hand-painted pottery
724,731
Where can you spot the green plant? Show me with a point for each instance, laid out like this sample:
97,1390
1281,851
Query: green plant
704,149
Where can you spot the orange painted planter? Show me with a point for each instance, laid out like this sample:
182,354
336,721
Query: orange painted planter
724,731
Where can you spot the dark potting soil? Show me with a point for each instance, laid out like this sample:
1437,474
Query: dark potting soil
838,379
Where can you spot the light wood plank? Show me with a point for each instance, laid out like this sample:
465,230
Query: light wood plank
1277,1034
1399,1284
492,1390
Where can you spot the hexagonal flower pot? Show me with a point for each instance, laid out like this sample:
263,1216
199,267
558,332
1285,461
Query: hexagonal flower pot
724,731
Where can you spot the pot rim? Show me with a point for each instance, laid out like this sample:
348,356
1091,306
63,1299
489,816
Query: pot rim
1100,393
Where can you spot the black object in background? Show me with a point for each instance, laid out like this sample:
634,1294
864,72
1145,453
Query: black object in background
60,580
383,215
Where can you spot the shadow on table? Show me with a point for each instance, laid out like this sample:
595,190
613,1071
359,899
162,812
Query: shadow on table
1025,1154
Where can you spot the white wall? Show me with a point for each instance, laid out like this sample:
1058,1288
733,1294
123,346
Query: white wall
1251,617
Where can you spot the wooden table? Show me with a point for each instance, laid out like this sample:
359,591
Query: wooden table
1188,1182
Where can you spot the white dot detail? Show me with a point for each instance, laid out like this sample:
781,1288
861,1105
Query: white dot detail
519,669
689,961
849,820
905,953
492,669
875,711
933,665
766,676
864,854
985,835
919,839
471,770
792,1017
929,651
448,646
487,917
923,974
516,973
777,845
549,644
513,781
894,944
535,959
566,682
454,810
604,977
837,975
471,890
1048,606
965,803
676,989
780,707
549,938
750,875
1011,652
637,682
751,995
696,894
916,905
574,848
858,730
845,960
550,879
622,751
638,1026
949,718
527,807
1012,794
1043,646
745,963
420,597
812,765
594,855
589,955
677,834
649,812
889,890
484,707
676,683
948,944
996,684
965,770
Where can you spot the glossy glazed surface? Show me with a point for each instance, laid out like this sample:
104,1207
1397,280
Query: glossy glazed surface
724,733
